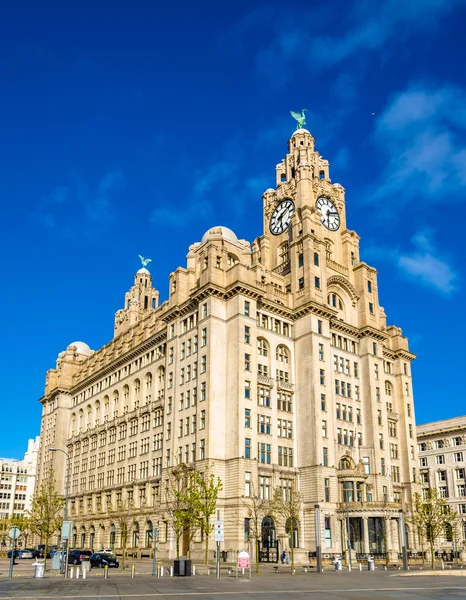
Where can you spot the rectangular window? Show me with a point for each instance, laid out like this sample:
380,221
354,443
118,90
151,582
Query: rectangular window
321,352
247,484
327,489
247,306
317,283
300,259
301,283
319,326
440,459
316,259
325,457
247,335
204,337
324,429
202,450
458,456
247,448
369,287
323,404
265,453
371,308
247,362
322,377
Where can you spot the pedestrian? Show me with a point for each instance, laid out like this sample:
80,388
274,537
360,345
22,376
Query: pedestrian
283,557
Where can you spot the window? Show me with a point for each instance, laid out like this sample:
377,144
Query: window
317,283
458,456
321,352
247,306
204,337
203,390
457,441
247,417
263,397
247,335
284,401
356,369
322,377
247,484
440,459
371,308
264,487
265,452
381,441
369,286
367,465
247,362
247,448
319,326
204,364
301,283
323,404
460,474
316,259
461,491
324,429
423,461
325,456
247,390
264,424
202,420
202,450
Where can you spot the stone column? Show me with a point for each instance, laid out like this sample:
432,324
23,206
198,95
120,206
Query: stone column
365,531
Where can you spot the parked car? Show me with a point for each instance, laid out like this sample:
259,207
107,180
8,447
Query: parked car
100,560
75,557
10,551
25,553
39,553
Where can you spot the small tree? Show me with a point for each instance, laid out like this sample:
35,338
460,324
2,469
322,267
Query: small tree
202,495
4,529
23,522
45,515
256,510
122,512
432,514
287,503
184,518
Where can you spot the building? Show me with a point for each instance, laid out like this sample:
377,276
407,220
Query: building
17,483
272,359
442,464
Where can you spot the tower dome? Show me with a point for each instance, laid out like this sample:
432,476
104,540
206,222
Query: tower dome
225,232
81,348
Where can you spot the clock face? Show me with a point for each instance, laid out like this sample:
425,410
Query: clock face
281,217
329,214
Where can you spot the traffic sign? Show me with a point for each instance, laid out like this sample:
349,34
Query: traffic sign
155,532
14,533
243,560
218,531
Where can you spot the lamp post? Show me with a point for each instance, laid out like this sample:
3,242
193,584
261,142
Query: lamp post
318,542
348,532
64,561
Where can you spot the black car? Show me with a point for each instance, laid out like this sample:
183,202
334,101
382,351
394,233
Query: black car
104,559
39,553
75,557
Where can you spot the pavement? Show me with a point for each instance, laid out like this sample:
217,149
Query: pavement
267,585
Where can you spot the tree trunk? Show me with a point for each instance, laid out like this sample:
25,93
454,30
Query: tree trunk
45,554
292,548
206,556
432,554
257,554
177,546
123,553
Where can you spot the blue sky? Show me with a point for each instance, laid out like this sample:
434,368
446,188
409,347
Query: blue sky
132,127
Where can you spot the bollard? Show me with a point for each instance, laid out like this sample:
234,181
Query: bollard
305,569
208,571
77,572
71,572
450,566
194,569
171,571
105,572
421,568
360,566
443,565
133,571
161,571
385,567
84,573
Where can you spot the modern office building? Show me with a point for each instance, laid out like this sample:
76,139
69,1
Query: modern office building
442,465
17,483
271,360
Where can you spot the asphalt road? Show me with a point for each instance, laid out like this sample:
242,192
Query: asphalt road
330,585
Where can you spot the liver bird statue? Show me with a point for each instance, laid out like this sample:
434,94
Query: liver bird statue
145,261
300,118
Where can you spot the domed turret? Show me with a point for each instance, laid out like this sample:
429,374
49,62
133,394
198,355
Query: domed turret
225,232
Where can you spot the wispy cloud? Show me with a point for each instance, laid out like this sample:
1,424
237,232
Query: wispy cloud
423,133
77,205
423,263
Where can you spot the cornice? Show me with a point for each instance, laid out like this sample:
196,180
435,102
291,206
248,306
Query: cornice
337,325
368,331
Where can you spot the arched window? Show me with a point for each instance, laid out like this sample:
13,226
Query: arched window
135,535
344,464
97,413
81,420
292,529
388,388
75,537
268,532
88,416
161,374
283,354
126,393
232,260
148,381
83,537
73,424
91,536
262,347
137,386
335,301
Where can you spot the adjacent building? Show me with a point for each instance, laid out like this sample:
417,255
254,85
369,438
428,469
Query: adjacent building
442,465
271,360
17,482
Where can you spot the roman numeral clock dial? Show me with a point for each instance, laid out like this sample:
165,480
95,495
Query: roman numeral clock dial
281,217
329,216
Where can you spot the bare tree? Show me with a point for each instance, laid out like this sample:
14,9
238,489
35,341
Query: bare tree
287,504
46,511
433,514
122,513
256,509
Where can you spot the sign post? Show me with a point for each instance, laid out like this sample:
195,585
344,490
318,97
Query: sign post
219,534
243,562
14,534
155,533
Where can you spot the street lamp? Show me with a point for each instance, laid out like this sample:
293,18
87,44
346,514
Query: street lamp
348,534
65,516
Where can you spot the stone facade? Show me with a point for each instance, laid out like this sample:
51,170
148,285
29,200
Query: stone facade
442,464
18,479
271,360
